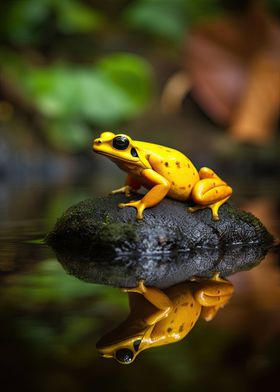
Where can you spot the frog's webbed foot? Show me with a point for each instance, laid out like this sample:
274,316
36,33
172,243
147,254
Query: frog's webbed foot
212,295
214,208
138,204
210,192
125,189
215,215
140,288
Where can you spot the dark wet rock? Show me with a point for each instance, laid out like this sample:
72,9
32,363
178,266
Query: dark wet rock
99,242
165,227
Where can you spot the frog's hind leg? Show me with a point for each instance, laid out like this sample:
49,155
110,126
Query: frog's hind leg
210,192
212,295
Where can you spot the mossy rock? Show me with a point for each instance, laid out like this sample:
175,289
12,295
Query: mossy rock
99,242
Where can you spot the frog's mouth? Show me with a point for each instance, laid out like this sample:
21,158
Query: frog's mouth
117,158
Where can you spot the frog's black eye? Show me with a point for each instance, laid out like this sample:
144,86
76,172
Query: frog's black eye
133,152
120,142
136,344
124,355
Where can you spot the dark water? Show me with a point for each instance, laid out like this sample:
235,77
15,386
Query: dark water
50,321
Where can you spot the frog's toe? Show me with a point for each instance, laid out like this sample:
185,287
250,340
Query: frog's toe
136,204
125,189
140,213
194,209
140,288
123,205
214,209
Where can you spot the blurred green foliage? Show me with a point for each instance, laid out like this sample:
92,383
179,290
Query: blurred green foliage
100,87
72,98
24,21
116,88
169,19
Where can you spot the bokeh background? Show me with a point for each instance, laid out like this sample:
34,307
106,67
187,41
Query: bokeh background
201,76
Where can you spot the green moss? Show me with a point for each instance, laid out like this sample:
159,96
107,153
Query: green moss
116,232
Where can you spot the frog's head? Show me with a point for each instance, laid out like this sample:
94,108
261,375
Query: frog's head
119,147
124,351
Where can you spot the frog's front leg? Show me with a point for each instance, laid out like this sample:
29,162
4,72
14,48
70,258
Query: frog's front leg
154,196
130,185
212,295
210,191
157,298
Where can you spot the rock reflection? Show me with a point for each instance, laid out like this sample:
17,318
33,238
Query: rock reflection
167,292
160,317
160,270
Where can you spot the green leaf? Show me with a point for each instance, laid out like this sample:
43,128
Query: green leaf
70,98
117,88
132,75
158,17
101,101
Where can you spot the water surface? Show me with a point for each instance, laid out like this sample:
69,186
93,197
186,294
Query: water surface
51,321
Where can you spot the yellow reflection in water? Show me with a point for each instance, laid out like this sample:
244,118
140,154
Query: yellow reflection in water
159,317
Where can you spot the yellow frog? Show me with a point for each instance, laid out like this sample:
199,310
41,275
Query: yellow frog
164,171
159,317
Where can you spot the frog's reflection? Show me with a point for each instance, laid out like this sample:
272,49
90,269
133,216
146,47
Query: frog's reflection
159,317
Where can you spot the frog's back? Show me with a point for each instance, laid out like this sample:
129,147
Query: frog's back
174,166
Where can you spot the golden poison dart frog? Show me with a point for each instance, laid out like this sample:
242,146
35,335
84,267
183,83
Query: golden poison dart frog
159,317
164,171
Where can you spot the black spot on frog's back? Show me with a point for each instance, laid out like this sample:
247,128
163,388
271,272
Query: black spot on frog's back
181,328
